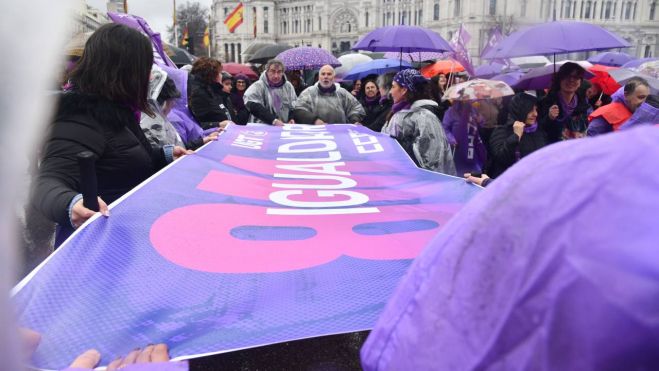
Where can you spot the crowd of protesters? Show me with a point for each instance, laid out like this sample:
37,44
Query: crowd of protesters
104,108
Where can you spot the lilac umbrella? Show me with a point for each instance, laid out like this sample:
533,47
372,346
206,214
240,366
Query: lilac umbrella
637,62
307,58
613,59
488,70
541,77
403,39
414,56
558,37
510,78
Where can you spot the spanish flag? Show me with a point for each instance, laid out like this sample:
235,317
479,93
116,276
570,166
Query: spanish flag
207,37
235,18
184,42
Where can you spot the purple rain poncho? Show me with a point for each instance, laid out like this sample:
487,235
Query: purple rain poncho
461,123
554,267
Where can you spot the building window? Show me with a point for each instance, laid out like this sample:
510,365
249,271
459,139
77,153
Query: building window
435,12
226,11
653,8
607,10
402,15
240,52
587,7
388,18
628,11
233,52
456,10
320,23
226,52
522,11
284,28
648,52
568,9
493,7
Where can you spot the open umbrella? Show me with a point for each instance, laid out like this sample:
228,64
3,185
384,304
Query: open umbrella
377,67
349,61
622,75
511,78
541,77
530,61
403,39
237,69
307,58
266,53
557,37
604,79
637,62
445,67
650,68
478,89
415,56
487,71
179,56
613,59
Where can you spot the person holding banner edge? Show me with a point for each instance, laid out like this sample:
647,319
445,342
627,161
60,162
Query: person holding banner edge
270,100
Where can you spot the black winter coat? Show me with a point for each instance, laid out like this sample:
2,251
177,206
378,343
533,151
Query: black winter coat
209,104
503,146
577,122
376,116
110,131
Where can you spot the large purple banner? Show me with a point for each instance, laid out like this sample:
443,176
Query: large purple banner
267,235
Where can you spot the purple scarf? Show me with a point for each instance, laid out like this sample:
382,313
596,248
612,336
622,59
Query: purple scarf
329,90
567,108
403,104
371,101
531,128
276,100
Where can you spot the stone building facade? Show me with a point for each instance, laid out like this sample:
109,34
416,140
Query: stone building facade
337,24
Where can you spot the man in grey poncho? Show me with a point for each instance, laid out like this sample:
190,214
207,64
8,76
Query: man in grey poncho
327,103
270,100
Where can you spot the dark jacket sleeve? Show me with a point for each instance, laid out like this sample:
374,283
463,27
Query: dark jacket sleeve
204,106
503,144
260,112
302,116
553,128
58,180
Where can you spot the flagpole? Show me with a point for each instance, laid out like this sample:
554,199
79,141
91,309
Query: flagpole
210,39
176,40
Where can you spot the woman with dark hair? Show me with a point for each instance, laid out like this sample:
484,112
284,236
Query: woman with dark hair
415,126
207,100
563,113
100,113
519,137
241,82
437,90
371,103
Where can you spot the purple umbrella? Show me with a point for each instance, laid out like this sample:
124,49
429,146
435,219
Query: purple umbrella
414,56
307,58
558,37
510,78
637,62
403,39
613,59
488,70
541,77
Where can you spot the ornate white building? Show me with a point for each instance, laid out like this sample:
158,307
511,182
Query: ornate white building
337,24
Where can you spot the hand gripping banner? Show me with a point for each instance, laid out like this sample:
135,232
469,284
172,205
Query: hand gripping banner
267,235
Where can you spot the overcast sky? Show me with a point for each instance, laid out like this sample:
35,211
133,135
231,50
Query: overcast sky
158,13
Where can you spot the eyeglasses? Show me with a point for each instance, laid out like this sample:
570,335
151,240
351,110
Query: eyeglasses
240,83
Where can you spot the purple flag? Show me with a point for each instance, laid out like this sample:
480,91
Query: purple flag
267,235
459,44
138,23
495,37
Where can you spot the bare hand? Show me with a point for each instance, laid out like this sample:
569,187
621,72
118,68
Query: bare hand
180,152
80,214
553,112
291,121
278,122
478,181
30,340
319,122
225,123
518,128
212,136
150,354
598,103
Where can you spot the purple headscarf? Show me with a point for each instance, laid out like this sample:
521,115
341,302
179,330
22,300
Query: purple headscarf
410,79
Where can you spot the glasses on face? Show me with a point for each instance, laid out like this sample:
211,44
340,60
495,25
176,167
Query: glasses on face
240,83
573,77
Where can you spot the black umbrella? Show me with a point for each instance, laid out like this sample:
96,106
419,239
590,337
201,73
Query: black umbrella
267,53
179,56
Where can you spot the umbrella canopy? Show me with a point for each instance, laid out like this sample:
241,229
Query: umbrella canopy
613,59
637,62
403,39
622,75
557,37
530,61
478,89
541,77
445,67
487,71
253,48
377,67
268,52
604,79
179,56
76,45
349,61
650,68
510,78
307,58
237,69
415,56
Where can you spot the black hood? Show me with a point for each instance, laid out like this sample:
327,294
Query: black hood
520,106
